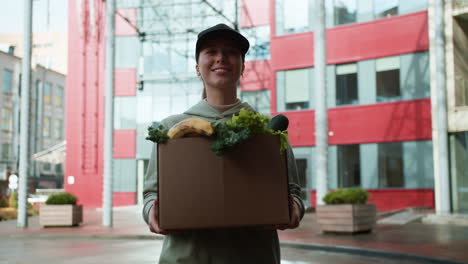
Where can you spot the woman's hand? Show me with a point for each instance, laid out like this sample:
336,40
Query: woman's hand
294,219
153,220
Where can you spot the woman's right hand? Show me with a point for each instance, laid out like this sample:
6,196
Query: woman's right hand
153,220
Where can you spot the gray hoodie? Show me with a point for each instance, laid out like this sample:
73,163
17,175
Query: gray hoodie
226,245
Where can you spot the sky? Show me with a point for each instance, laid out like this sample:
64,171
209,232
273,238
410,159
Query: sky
11,16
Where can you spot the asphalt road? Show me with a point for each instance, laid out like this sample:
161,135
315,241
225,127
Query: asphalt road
120,251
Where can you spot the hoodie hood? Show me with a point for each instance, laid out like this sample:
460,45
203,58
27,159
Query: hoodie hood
204,110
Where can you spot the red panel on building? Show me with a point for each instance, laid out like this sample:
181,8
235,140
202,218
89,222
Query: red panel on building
384,122
254,13
362,41
124,144
123,198
292,51
301,128
85,102
122,27
379,38
395,199
256,76
125,82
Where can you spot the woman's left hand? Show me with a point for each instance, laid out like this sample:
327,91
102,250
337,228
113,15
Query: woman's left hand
293,220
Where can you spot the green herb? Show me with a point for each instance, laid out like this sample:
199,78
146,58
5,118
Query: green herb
240,128
354,195
157,134
61,198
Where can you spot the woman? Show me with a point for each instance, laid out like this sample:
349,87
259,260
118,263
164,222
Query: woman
220,53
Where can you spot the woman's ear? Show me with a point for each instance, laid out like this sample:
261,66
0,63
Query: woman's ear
197,70
243,68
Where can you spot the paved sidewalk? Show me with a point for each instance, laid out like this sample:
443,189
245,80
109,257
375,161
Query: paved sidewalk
417,241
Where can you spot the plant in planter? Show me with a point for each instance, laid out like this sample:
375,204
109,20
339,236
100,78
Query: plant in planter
346,211
60,209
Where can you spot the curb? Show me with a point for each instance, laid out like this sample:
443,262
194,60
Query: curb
369,252
304,246
103,236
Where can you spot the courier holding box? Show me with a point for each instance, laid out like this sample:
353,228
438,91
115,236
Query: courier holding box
246,186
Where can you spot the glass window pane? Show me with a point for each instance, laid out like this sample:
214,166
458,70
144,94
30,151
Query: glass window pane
388,79
47,93
391,165
46,127
346,84
58,98
385,8
259,38
345,12
7,81
292,16
349,168
6,150
7,124
126,52
388,86
260,100
125,112
58,128
296,86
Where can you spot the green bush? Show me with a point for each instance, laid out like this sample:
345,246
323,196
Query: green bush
3,202
14,200
347,196
61,198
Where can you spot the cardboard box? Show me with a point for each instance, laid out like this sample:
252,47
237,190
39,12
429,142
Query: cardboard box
247,186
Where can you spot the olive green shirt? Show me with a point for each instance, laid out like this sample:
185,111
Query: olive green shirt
223,245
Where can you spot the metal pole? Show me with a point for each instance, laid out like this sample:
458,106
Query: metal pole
109,115
443,190
24,126
321,124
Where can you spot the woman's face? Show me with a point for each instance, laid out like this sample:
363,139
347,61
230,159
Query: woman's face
220,64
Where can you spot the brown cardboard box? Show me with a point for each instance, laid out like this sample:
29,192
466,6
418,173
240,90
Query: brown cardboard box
246,186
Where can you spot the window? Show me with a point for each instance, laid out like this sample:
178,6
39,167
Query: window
124,112
124,58
385,8
388,79
6,151
296,89
302,176
345,11
259,38
46,127
7,81
346,84
390,165
58,128
293,16
7,119
58,98
349,166
47,93
260,100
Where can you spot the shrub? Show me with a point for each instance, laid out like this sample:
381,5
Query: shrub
61,198
347,196
14,200
3,202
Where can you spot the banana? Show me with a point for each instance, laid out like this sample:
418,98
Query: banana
191,127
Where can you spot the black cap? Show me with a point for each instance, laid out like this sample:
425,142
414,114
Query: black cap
222,30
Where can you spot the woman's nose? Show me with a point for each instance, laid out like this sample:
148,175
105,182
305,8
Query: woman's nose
221,56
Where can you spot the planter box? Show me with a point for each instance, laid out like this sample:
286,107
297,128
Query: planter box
60,215
346,218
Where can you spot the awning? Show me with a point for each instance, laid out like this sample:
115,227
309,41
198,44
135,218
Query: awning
54,154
